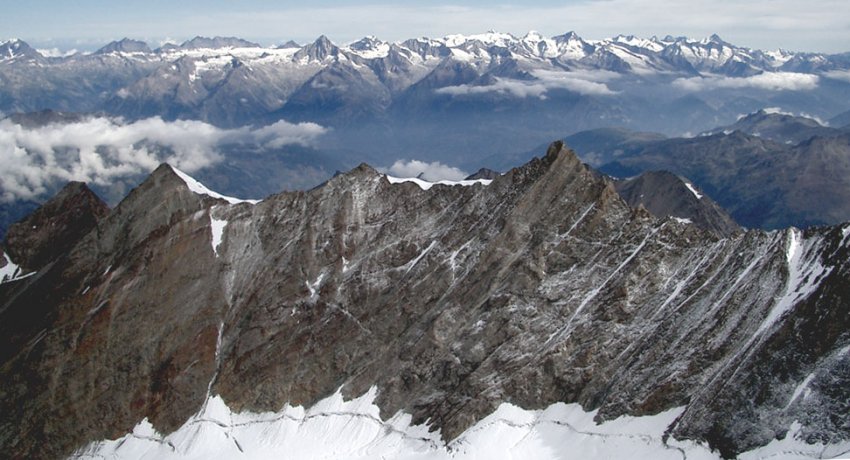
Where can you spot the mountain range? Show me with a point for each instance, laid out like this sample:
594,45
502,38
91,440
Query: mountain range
534,306
434,99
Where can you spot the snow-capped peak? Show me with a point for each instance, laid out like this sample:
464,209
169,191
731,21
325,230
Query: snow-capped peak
369,47
533,35
14,48
491,38
651,44
538,45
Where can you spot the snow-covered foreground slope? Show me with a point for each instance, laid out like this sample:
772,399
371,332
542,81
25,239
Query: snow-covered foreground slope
338,429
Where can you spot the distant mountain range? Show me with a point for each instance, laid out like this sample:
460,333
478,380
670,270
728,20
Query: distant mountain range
460,95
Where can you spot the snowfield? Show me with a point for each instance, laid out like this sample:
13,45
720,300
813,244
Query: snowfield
338,429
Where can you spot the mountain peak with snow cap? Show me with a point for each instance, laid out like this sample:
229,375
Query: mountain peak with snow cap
16,49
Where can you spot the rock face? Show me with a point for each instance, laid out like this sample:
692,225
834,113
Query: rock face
55,227
780,127
665,194
484,173
762,183
543,286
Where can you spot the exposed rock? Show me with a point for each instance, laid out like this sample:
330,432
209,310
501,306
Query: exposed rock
666,195
55,227
779,127
484,173
543,286
125,45
761,183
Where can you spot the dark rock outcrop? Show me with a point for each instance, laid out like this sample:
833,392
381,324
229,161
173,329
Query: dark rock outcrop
55,227
665,194
484,173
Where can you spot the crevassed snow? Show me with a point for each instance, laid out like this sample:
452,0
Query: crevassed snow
425,185
338,429
693,190
217,227
200,189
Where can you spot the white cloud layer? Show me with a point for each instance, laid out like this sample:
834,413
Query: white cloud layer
843,75
583,82
431,172
56,52
771,81
103,150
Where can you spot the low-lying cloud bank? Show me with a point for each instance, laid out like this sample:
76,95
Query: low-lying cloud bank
772,81
842,75
101,150
591,83
431,172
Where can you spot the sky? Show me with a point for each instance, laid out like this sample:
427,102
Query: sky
813,25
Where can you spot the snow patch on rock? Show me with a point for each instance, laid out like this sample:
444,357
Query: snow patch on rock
693,190
217,227
10,271
200,189
805,273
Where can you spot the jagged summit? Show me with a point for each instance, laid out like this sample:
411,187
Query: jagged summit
319,50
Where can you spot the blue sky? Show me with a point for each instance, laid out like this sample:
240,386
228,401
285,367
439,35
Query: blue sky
814,25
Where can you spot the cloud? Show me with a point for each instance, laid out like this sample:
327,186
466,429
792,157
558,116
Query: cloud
56,52
843,75
771,81
587,82
431,172
284,133
103,150
514,88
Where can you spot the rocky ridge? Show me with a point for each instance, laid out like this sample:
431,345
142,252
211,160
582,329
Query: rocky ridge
55,227
541,287
666,195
